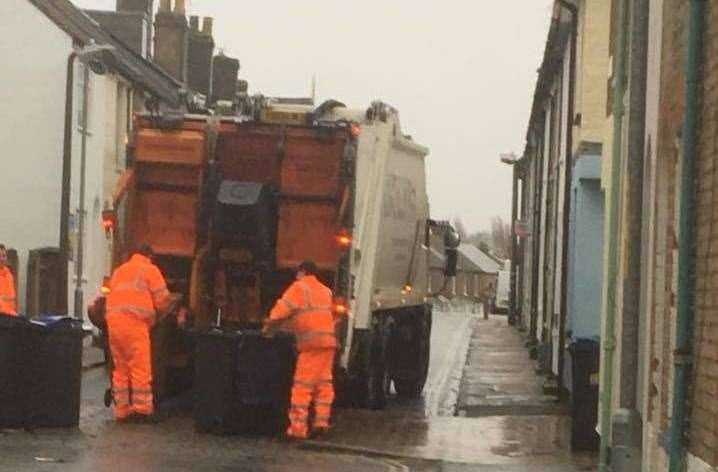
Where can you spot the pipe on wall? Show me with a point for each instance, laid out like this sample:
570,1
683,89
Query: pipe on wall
686,283
573,10
613,254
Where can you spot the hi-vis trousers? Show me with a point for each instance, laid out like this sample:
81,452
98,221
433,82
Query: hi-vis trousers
129,338
312,385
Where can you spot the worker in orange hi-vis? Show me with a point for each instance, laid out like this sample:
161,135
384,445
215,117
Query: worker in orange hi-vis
8,305
306,309
138,293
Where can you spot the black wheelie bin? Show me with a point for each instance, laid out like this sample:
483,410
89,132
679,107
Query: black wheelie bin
242,381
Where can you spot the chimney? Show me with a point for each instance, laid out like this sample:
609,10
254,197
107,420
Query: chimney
139,6
207,25
180,7
224,78
132,24
199,56
172,39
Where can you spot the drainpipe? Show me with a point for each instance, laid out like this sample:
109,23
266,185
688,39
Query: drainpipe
626,430
64,243
609,341
80,257
514,246
573,10
683,353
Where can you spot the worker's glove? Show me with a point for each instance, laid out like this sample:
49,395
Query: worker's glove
268,329
181,317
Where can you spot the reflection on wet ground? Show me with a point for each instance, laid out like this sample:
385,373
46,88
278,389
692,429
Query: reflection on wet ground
527,434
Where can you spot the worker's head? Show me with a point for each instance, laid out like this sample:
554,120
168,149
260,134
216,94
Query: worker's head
306,268
3,255
145,250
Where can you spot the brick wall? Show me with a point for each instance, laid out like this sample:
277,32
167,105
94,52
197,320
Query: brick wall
667,154
704,417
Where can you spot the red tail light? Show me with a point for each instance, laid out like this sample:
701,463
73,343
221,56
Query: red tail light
108,220
407,289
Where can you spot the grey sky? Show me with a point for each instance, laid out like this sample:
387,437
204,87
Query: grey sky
461,73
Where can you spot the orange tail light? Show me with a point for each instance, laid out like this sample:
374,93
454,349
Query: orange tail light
105,288
355,130
340,306
344,239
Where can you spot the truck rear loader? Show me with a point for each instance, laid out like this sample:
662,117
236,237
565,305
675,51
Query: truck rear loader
233,204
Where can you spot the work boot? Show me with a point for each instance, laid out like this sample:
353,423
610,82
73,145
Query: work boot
108,398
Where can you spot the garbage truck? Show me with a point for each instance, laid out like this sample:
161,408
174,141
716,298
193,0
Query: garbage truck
232,205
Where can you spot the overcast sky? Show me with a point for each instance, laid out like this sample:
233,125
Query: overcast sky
461,73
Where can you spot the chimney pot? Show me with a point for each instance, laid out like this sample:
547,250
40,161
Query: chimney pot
194,23
207,25
166,5
180,7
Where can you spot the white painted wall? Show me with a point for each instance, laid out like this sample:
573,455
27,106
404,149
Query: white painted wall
34,56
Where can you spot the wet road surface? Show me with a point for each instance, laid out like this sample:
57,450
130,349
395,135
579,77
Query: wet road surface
422,435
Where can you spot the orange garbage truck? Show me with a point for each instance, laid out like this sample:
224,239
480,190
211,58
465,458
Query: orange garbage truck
232,205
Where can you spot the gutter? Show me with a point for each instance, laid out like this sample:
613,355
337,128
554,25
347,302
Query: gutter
685,312
609,339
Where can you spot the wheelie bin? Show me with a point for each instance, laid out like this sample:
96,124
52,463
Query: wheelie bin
242,381
585,359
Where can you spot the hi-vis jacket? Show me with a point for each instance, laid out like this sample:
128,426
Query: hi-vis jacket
137,287
307,308
7,292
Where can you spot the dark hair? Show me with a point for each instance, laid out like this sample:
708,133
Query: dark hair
308,267
2,246
145,250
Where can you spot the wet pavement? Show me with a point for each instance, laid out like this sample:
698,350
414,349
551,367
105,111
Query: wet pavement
479,369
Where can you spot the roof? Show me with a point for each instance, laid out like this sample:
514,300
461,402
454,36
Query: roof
479,260
136,68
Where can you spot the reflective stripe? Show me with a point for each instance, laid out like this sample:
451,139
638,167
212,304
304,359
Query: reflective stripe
159,290
7,299
137,310
314,334
307,294
300,406
288,303
321,418
306,383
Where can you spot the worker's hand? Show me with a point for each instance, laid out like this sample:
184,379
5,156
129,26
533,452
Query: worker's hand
268,329
181,317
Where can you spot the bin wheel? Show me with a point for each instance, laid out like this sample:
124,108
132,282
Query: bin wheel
108,397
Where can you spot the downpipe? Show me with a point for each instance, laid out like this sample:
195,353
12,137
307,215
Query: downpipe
609,341
64,243
80,256
685,311
573,10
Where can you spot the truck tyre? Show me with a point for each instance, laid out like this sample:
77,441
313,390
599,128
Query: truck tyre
411,383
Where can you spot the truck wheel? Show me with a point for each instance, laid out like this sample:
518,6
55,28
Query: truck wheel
411,384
